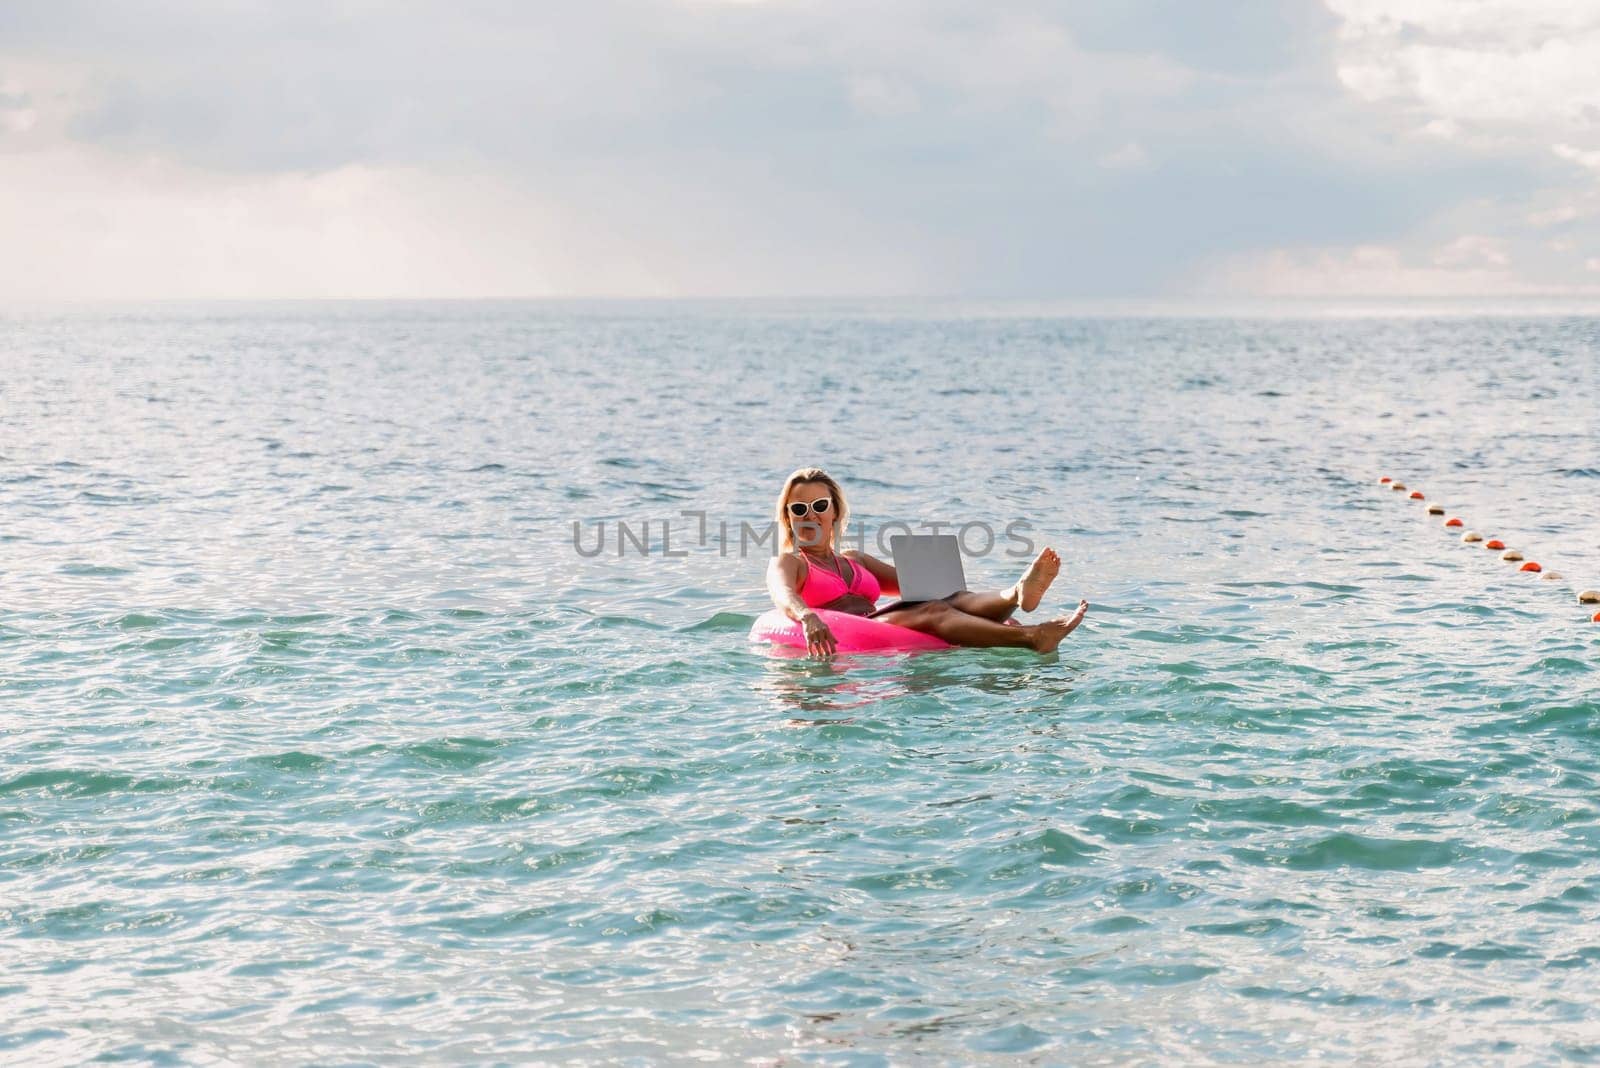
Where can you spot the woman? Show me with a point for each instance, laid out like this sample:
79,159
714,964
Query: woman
812,573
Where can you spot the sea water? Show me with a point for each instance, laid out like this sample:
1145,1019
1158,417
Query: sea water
374,686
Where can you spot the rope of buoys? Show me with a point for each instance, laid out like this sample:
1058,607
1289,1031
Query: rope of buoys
1472,537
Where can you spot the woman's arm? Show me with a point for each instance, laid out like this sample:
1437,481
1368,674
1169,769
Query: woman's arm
783,582
888,579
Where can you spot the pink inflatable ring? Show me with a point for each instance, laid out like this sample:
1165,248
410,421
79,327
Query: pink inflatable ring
854,634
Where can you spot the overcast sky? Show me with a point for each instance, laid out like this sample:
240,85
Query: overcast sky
1102,148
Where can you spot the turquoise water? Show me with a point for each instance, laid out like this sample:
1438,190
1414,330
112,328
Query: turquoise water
322,741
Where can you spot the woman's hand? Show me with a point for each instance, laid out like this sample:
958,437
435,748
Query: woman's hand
820,641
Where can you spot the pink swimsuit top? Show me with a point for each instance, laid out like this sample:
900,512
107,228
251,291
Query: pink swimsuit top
824,587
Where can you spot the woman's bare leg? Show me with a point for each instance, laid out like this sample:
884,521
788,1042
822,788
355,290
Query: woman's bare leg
1025,594
995,606
944,620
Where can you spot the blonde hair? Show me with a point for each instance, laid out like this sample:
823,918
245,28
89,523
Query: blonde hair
841,509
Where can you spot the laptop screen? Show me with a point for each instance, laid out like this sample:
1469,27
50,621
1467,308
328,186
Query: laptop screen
929,566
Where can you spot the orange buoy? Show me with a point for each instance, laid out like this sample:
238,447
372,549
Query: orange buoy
1471,536
1596,618
1530,566
1589,597
1453,521
1494,543
1385,480
1416,495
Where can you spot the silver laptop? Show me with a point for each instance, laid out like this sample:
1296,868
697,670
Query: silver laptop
929,566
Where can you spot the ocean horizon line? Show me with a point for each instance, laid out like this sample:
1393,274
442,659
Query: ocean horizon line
1199,307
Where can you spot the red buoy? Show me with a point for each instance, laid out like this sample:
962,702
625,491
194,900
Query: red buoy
1530,566
1453,522
1597,617
1494,543
1385,480
1416,495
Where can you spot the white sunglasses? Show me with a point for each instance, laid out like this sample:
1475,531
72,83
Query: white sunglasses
820,506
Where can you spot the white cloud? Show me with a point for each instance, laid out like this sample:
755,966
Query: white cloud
83,223
1130,156
1509,82
1472,251
882,97
102,226
36,98
1562,213
650,148
18,120
1534,64
1465,268
1516,22
679,147
1591,160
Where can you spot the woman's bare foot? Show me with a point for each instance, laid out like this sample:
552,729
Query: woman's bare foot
1036,580
1048,635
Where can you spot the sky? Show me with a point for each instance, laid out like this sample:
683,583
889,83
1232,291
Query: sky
1079,149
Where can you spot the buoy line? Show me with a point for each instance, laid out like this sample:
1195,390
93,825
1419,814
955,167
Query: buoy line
1472,537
